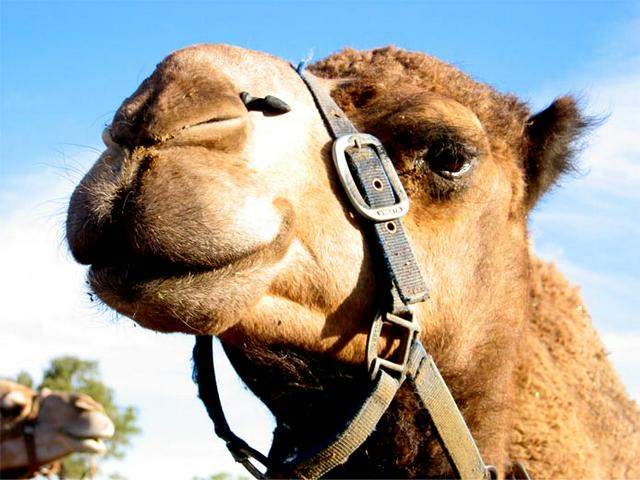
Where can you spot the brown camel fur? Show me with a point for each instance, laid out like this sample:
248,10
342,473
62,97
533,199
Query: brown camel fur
65,423
203,217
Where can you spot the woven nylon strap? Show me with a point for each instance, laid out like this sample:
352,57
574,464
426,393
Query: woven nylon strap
407,284
407,287
435,397
316,463
430,388
369,170
310,464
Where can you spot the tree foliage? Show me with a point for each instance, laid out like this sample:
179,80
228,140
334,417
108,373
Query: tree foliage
72,374
222,476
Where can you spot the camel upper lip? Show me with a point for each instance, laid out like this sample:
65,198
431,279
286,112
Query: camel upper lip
100,427
213,120
159,265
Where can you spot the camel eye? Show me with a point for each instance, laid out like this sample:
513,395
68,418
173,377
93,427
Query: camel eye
449,159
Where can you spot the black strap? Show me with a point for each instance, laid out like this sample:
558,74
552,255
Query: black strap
28,434
205,377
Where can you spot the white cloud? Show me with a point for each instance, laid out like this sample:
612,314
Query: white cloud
623,349
591,227
613,156
608,89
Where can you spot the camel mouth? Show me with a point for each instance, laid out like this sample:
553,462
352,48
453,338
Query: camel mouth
144,269
88,444
91,441
124,275
127,279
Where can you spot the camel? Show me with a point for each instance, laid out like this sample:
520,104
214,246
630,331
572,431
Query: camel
212,214
39,428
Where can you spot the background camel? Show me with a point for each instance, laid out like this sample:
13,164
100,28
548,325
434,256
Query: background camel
202,217
64,423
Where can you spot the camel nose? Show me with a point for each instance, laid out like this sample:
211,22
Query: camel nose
187,101
92,240
183,91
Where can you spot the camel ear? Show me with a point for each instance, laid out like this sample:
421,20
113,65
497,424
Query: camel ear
551,136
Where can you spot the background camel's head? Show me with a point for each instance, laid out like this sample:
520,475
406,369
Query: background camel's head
65,423
205,216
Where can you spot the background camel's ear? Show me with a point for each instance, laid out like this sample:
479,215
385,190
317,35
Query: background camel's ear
550,137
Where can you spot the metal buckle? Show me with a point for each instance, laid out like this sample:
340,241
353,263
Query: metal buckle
490,472
377,214
411,331
243,454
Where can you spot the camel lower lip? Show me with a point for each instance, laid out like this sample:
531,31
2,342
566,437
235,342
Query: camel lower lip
92,444
126,280
144,271
94,440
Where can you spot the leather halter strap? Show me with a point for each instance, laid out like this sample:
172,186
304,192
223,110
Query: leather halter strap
26,429
373,187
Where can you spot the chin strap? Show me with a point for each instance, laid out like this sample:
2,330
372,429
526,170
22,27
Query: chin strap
425,379
375,191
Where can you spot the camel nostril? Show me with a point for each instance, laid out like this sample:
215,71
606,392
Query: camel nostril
99,238
268,105
94,243
107,139
103,208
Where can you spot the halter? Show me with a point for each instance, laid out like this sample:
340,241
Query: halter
376,193
26,429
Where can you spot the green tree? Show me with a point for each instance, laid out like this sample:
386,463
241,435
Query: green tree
71,374
222,476
25,379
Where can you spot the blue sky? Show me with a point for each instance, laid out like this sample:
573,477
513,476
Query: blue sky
66,66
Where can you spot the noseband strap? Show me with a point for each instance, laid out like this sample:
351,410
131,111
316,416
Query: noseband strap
375,191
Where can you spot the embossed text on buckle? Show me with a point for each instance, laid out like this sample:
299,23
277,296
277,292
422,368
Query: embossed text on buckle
377,214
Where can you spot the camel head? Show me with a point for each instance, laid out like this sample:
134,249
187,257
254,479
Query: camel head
206,216
64,423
